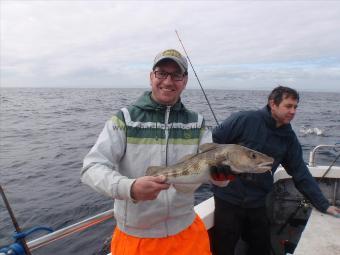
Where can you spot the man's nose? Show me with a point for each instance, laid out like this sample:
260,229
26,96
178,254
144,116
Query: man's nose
168,79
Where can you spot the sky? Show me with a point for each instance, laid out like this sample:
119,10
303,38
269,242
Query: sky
111,44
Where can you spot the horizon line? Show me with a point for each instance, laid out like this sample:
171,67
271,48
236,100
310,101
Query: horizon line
236,89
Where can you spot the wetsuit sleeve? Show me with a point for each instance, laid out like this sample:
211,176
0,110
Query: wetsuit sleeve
303,180
100,164
229,130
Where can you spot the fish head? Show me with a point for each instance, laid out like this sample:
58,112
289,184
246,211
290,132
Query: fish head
244,160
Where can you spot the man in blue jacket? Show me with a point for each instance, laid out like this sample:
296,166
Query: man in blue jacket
240,207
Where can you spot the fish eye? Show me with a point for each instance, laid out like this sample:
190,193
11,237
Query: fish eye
253,155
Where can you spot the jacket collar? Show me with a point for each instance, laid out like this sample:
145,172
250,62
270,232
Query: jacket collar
271,122
147,103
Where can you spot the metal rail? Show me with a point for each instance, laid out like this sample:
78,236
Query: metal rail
312,153
46,239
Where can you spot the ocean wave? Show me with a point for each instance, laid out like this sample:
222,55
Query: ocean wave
312,131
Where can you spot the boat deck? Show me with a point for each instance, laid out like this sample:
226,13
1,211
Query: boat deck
321,235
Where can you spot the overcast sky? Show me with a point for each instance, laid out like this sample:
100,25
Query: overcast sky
232,44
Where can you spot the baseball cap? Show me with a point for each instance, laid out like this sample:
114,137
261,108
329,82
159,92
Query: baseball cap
173,55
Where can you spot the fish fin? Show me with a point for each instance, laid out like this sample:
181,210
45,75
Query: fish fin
220,183
155,170
186,188
208,147
186,157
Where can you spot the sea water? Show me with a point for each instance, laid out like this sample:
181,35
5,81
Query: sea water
45,134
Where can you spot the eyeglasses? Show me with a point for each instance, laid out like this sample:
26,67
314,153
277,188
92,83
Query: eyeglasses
174,76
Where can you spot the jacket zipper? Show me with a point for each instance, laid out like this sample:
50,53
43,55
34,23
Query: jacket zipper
166,122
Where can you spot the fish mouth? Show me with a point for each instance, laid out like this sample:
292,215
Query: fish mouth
263,167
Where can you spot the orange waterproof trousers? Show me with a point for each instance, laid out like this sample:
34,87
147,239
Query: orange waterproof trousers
192,240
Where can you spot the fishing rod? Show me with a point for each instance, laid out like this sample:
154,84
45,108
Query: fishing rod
206,98
15,222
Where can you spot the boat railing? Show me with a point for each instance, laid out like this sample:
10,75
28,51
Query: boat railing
312,161
77,227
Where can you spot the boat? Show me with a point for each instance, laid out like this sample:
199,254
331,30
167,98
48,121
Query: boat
297,228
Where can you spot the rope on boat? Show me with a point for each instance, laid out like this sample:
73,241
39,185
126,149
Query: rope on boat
19,247
21,241
330,166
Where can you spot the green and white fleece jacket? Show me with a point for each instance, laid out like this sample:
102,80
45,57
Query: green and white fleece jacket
142,135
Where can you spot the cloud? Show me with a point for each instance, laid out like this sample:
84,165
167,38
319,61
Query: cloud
247,44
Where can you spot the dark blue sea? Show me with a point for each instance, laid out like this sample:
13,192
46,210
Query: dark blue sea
45,134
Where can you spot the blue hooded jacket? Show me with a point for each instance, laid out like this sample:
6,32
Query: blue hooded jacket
257,130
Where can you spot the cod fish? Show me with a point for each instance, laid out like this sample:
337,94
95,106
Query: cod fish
193,170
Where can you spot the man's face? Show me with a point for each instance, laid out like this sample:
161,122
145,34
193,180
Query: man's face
167,91
285,111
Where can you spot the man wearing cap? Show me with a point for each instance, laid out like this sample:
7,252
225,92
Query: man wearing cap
157,130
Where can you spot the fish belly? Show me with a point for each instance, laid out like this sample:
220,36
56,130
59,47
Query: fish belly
193,178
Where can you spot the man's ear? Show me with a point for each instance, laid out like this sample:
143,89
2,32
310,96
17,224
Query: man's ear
151,77
186,80
271,104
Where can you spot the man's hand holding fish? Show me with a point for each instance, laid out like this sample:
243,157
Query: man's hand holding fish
148,187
